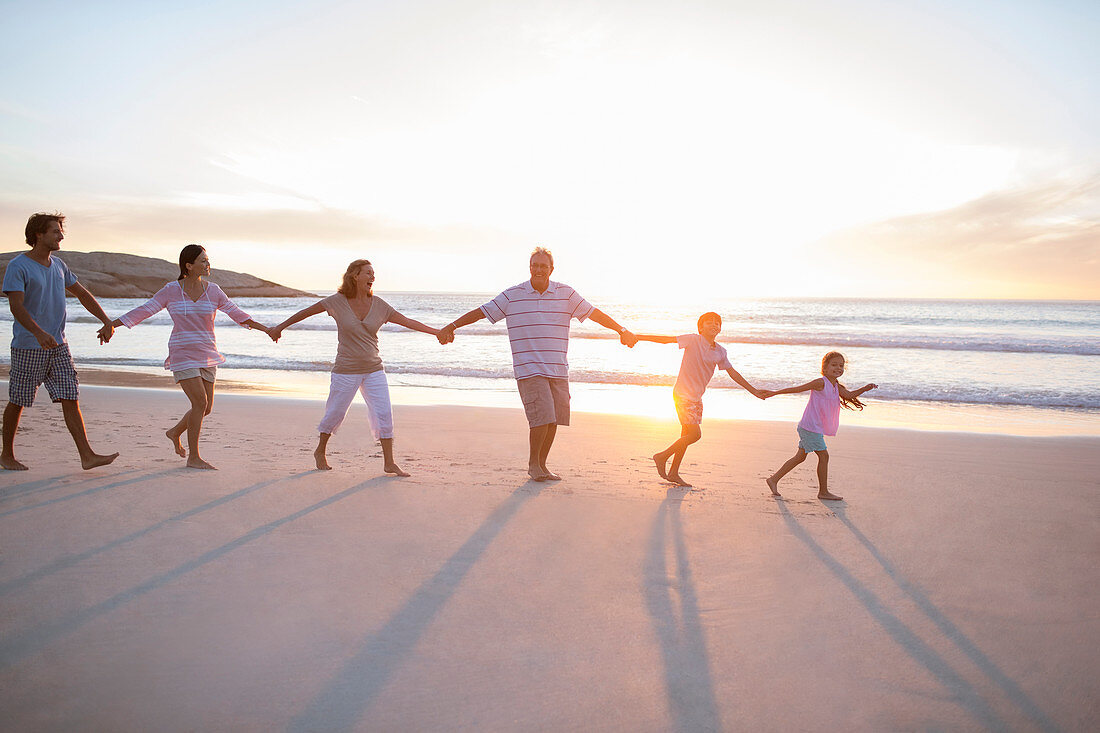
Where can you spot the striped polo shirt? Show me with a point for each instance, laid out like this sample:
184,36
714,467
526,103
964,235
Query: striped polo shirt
538,326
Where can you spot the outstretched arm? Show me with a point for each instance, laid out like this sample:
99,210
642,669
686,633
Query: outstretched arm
92,305
447,334
817,384
409,323
850,394
276,331
736,376
625,336
655,339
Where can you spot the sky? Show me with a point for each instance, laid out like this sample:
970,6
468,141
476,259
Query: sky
854,148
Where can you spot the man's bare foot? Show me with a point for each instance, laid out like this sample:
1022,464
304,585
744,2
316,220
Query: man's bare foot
395,470
10,464
675,478
773,485
536,473
660,461
195,462
322,461
550,475
176,443
829,496
96,460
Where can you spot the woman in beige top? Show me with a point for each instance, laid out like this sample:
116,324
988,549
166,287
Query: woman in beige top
358,313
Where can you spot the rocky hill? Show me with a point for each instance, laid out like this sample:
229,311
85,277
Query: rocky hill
116,275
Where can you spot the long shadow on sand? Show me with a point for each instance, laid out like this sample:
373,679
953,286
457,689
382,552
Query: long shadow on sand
18,647
674,608
68,561
961,690
951,631
86,492
14,491
351,691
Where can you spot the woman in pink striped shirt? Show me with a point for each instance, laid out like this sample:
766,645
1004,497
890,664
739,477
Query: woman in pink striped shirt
193,356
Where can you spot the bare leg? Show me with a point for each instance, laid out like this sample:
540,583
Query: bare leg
74,421
823,477
544,452
319,453
388,464
773,480
535,457
196,391
688,435
12,413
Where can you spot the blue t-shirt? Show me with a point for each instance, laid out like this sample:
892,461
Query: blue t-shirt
43,291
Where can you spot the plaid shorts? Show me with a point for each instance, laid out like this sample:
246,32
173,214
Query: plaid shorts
33,367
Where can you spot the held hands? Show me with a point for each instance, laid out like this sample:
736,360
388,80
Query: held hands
105,333
628,339
275,332
446,334
764,393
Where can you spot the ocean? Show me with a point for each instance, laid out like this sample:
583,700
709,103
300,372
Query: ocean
1026,367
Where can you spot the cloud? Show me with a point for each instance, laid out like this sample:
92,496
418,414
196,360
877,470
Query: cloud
1041,240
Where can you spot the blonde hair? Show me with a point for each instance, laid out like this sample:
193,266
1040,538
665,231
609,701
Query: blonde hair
348,288
542,251
852,403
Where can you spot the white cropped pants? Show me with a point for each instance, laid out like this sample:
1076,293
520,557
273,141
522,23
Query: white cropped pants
376,394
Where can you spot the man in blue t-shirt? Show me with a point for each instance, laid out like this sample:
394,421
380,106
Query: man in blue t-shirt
35,284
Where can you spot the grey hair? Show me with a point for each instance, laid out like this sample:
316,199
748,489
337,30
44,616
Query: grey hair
543,251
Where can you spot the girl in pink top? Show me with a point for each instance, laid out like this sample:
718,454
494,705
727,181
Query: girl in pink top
821,418
192,351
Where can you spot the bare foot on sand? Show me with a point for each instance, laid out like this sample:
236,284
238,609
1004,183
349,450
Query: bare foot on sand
322,460
675,478
194,462
773,485
829,496
10,464
176,443
395,470
660,460
550,475
96,460
536,473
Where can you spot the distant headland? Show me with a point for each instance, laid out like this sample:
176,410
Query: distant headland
117,275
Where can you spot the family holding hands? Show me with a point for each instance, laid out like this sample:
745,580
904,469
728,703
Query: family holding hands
537,312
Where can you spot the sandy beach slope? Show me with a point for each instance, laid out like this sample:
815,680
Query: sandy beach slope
955,589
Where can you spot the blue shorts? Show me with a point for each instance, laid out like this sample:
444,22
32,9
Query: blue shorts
810,441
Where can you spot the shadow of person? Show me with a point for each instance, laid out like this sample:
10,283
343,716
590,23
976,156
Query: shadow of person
961,690
950,631
674,609
344,699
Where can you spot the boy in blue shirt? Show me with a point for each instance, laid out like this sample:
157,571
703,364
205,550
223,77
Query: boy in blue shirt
35,284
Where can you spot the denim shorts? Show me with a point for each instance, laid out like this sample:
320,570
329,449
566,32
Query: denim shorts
810,441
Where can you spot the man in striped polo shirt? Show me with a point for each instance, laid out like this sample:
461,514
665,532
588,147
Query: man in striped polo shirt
538,313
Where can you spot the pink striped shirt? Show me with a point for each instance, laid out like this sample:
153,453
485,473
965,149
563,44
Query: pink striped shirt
192,343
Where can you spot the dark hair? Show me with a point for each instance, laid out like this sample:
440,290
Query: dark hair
852,403
39,223
348,288
705,316
188,255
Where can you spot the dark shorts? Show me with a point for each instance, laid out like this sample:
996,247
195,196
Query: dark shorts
31,368
545,400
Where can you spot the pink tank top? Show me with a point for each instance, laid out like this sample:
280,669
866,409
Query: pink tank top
822,413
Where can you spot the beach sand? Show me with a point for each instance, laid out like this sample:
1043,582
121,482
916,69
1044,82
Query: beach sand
956,588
